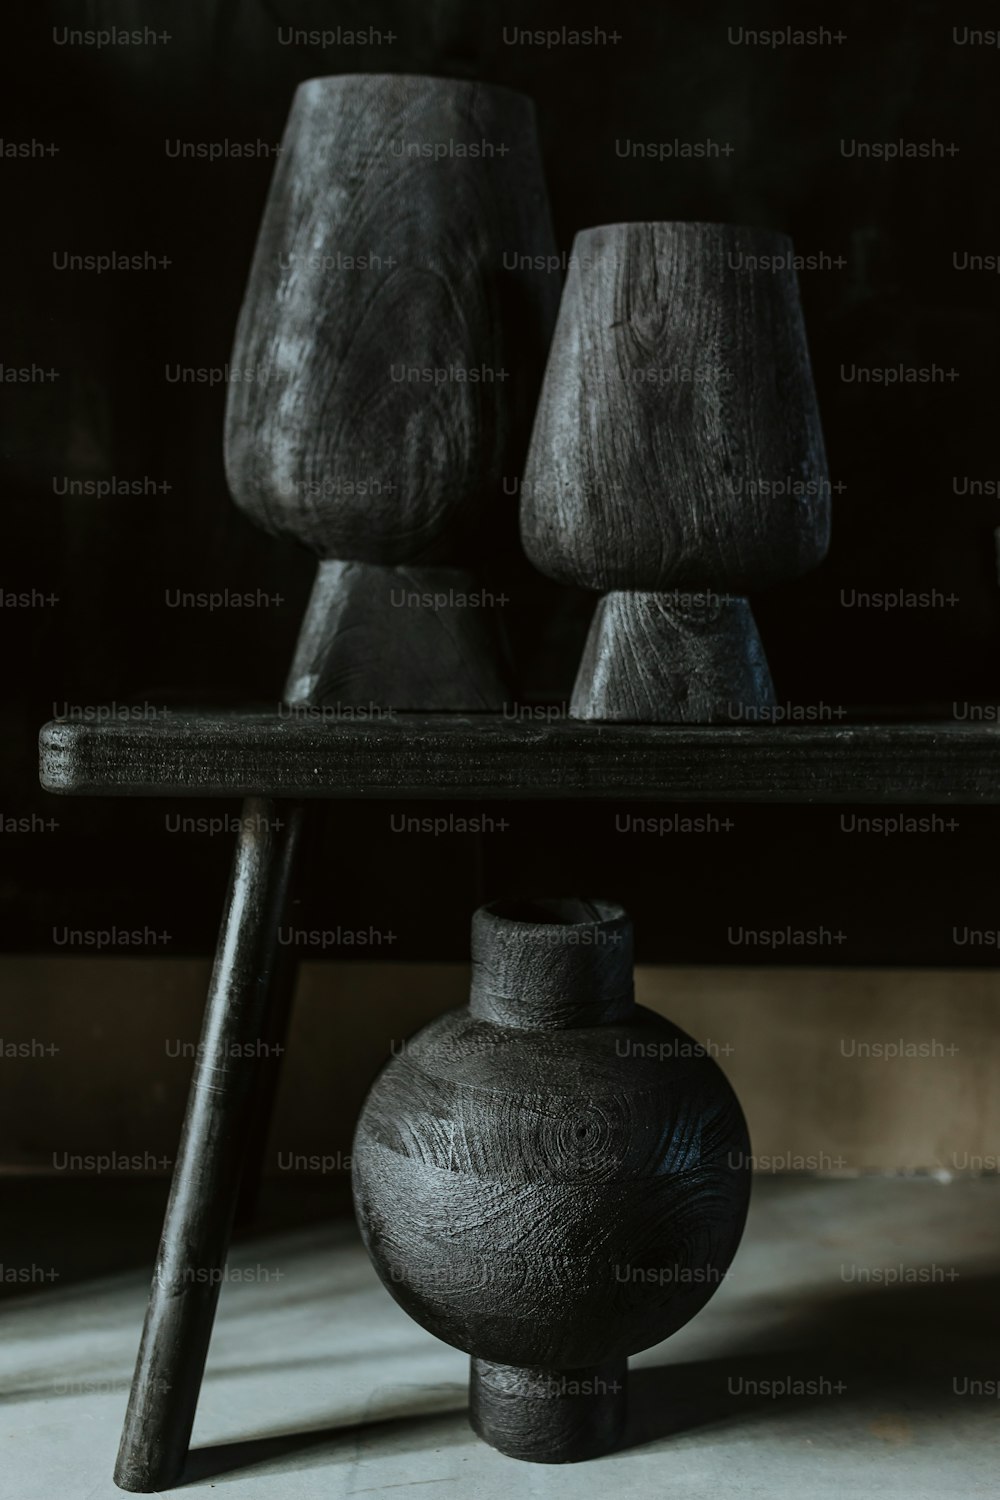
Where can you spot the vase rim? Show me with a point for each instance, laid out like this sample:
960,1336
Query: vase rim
544,963
590,229
470,83
554,911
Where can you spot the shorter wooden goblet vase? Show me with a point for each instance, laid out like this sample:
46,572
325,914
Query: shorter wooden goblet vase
676,461
551,1178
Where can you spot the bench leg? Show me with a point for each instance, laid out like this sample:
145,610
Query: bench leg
275,1033
211,1155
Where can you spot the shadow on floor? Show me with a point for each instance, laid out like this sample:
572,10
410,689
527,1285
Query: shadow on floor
901,1344
423,1418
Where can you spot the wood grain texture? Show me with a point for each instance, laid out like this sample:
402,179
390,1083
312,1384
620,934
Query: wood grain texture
553,1197
220,1156
210,1158
382,251
449,756
523,974
402,638
648,659
549,1416
677,441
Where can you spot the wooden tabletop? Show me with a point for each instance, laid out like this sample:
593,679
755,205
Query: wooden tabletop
309,754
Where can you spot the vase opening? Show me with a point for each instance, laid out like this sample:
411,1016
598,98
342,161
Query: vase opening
556,911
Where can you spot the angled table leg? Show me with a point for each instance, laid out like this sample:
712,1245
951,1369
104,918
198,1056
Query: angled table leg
274,1036
210,1159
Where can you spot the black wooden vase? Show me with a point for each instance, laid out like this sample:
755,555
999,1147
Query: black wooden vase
677,462
384,372
551,1178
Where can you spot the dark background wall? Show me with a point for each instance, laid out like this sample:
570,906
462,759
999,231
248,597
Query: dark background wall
901,457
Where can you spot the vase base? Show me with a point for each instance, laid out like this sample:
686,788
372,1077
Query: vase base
413,639
650,659
549,1416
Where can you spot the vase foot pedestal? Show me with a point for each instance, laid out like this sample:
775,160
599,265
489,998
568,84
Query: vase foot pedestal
669,658
411,639
549,1416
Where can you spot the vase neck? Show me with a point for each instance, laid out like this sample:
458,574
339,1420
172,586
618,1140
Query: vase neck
549,965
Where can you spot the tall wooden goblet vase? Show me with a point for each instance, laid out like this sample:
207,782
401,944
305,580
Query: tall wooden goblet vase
392,363
676,461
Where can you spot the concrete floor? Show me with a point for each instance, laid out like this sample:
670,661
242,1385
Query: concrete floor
319,1386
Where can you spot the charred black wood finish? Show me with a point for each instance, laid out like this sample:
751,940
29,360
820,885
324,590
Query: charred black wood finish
647,656
395,346
404,638
676,451
210,1158
552,1178
445,755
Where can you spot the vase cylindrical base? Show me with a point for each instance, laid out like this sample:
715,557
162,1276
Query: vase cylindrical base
548,1416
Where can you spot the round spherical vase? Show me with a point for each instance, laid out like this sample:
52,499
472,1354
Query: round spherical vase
551,1178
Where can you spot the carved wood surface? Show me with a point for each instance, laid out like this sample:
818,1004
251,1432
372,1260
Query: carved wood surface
677,440
549,1416
448,756
648,659
550,1190
395,358
597,1141
406,638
